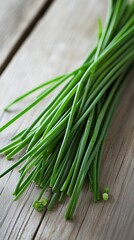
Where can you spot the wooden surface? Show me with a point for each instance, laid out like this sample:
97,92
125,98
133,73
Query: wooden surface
58,44
17,19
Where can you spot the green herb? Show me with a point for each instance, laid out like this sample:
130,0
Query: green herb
105,196
106,190
64,144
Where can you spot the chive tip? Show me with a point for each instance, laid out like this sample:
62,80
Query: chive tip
105,196
106,190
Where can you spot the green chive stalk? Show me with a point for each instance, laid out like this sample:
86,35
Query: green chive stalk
64,144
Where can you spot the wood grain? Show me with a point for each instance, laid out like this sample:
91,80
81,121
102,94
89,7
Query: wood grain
115,218
17,19
58,44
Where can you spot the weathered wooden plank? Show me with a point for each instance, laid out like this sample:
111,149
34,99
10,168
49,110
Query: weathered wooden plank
41,57
58,44
17,18
114,219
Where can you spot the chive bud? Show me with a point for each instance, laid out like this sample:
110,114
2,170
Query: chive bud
106,189
38,206
105,196
45,202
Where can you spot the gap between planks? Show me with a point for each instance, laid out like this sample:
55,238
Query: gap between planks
18,224
43,226
26,32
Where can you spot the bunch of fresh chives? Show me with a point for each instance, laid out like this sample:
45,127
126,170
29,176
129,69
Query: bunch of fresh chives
64,144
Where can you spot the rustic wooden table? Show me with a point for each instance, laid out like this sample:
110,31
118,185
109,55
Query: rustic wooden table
38,40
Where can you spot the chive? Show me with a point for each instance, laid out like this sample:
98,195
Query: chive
64,144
